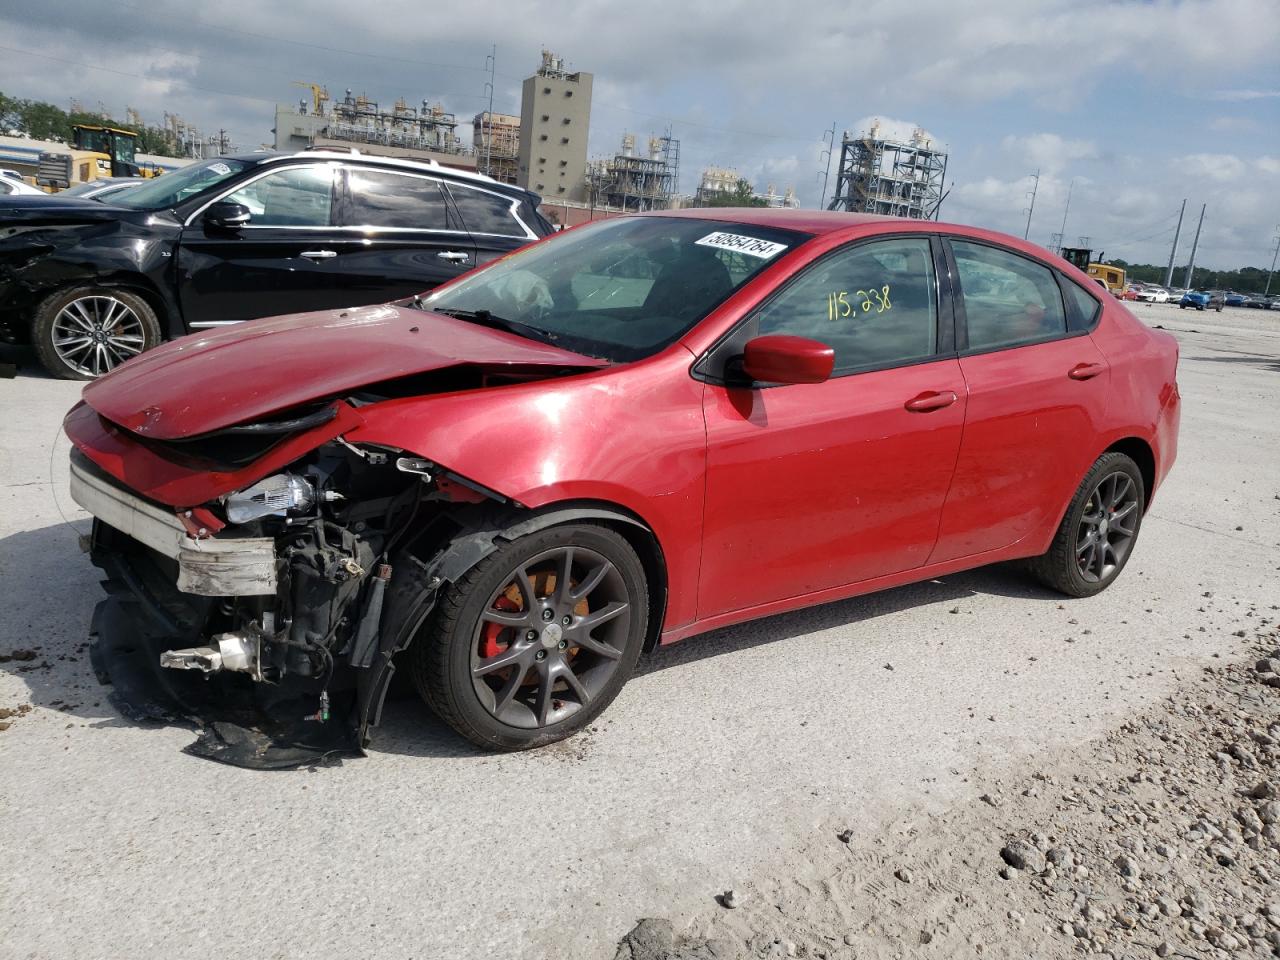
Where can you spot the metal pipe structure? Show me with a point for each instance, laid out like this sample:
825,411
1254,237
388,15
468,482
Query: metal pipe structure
1168,274
1191,264
1274,255
1031,209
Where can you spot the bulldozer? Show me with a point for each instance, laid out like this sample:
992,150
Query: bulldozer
97,152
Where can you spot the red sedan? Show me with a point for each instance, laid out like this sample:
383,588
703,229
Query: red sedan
624,435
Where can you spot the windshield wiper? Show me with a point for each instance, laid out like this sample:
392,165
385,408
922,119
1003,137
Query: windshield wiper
487,319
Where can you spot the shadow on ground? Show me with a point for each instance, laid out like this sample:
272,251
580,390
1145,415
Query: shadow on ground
55,589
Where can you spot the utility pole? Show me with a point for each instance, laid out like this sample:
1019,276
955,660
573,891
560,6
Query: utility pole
831,146
1065,210
486,128
1035,186
1168,274
1191,265
1274,255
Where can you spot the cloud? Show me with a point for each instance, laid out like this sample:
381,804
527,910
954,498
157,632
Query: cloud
1269,165
1049,152
1219,167
1243,95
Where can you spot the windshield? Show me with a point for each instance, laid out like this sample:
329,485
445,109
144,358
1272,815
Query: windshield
170,189
620,289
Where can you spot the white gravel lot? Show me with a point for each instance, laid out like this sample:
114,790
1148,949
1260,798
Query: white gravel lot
720,765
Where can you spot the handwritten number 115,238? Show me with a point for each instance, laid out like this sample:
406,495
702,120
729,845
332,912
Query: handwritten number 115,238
838,304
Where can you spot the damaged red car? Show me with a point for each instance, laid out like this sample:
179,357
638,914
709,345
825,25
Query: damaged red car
624,435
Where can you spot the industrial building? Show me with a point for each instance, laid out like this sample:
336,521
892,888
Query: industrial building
717,183
891,177
426,132
632,181
555,114
495,140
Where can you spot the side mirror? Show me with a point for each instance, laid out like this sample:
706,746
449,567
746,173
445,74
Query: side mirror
785,359
227,215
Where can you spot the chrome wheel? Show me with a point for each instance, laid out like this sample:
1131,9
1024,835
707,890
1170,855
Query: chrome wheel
549,640
1107,527
94,334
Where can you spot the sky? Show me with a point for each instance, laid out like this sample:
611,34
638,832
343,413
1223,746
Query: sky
1129,106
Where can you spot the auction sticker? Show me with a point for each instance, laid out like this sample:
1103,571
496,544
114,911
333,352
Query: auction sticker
764,249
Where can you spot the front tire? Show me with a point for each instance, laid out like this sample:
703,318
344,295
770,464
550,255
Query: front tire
536,640
1097,533
84,332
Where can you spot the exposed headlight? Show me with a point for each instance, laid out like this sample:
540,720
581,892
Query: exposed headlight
274,495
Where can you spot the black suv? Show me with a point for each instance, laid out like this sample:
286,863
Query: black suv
92,283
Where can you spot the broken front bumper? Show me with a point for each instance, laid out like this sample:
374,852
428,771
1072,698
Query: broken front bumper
207,567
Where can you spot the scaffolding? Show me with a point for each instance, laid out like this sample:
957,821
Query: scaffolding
890,177
630,181
495,139
357,119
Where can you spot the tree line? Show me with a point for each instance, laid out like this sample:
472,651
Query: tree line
46,121
1242,279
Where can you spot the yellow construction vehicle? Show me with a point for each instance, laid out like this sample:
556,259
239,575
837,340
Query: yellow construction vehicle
1106,274
97,152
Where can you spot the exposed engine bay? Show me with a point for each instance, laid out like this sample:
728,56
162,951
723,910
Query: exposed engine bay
271,617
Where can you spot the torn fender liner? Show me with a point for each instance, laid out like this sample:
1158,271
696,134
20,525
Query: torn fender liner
242,723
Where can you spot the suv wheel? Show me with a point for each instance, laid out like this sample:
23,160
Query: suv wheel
82,333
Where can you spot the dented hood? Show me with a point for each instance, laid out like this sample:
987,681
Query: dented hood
249,371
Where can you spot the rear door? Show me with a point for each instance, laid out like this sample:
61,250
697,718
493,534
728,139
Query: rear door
406,235
284,260
1037,390
496,221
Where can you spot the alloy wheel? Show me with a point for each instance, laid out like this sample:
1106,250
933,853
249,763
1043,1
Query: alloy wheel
1107,527
94,334
550,638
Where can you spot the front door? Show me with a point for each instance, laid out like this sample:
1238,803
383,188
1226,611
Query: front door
1037,394
813,486
286,259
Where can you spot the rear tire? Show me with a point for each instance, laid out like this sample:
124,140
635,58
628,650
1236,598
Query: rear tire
509,674
85,332
1098,531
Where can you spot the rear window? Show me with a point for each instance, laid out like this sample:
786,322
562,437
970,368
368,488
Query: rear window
484,212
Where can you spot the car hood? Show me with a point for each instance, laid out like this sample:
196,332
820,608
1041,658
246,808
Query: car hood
53,209
240,374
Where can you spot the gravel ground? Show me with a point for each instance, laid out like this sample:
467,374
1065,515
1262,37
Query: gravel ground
733,762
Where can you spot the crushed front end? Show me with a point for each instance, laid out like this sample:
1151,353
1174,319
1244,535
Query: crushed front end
269,615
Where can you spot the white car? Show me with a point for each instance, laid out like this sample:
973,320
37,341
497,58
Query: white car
1150,293
10,187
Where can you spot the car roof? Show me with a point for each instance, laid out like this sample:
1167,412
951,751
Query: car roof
806,221
418,166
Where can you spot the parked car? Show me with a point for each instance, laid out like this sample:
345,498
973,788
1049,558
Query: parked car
1274,303
102,188
1202,300
1234,299
13,187
93,284
1256,301
632,432
1151,293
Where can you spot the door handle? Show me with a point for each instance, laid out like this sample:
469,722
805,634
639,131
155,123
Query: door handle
319,254
453,256
1086,371
931,400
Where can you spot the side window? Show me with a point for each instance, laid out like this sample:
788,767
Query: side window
292,197
875,303
396,201
486,212
1008,299
1082,309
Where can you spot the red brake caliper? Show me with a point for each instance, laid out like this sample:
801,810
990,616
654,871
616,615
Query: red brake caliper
489,646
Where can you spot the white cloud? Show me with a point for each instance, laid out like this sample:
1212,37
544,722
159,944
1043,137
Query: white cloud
1243,95
1049,152
1219,167
1269,165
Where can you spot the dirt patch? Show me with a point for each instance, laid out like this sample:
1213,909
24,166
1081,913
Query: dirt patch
1160,839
